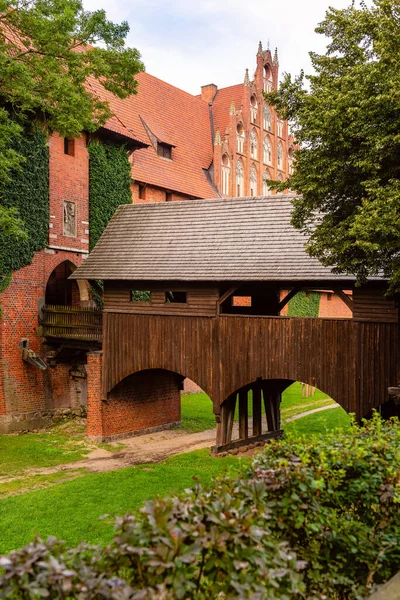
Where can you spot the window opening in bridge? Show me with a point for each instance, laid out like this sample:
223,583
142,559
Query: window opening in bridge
176,297
241,300
140,296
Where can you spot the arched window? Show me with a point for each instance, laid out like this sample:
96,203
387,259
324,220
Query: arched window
267,79
253,181
267,118
253,109
240,138
253,144
239,179
290,161
266,176
267,151
279,127
280,177
280,156
225,174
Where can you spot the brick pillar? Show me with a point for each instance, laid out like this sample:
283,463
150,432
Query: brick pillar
94,401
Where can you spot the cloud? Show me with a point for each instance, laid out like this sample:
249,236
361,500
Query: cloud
190,44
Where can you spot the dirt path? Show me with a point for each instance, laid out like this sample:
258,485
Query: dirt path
149,448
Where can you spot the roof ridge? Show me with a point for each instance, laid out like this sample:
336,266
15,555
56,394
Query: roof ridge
172,86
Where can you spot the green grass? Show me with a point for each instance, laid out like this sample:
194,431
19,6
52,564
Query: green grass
325,421
71,510
21,485
59,445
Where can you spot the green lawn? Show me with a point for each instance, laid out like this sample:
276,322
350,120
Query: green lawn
58,445
319,423
71,510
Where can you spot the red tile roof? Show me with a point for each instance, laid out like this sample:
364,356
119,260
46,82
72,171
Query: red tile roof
174,117
222,103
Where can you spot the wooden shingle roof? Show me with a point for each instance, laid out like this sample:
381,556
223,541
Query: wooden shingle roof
224,239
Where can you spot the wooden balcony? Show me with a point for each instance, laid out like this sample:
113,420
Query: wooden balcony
72,323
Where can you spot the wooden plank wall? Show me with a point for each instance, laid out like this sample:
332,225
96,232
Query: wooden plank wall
343,358
201,301
372,305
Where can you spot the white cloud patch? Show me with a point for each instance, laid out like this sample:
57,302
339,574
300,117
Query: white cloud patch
190,43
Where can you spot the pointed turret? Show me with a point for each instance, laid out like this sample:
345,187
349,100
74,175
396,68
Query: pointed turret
217,138
246,78
275,60
260,49
232,110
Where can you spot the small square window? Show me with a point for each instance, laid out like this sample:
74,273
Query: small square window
69,146
140,296
176,297
164,150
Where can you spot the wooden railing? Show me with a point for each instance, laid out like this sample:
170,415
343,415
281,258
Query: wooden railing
74,323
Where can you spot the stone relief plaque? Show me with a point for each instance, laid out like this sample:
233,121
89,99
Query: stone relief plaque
70,219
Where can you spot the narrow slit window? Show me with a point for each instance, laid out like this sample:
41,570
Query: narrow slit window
140,296
176,297
69,146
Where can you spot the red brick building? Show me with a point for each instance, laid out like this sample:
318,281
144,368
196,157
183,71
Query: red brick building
223,142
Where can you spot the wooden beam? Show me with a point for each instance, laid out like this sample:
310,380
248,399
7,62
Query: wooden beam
243,415
251,440
288,297
226,295
257,416
230,417
344,297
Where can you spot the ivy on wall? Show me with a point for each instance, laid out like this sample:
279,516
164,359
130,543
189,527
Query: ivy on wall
304,304
109,185
28,191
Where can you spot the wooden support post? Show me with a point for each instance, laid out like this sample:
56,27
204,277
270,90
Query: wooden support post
231,407
270,405
257,416
223,424
243,415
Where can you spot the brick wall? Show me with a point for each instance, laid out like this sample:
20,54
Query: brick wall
25,389
149,400
330,306
151,193
69,181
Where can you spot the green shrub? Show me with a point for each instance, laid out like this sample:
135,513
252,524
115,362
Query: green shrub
316,521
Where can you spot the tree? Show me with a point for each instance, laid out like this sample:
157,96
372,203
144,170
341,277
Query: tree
347,125
47,58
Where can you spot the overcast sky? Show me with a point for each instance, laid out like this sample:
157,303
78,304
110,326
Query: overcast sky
190,43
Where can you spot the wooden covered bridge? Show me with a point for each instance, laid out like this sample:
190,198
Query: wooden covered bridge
174,277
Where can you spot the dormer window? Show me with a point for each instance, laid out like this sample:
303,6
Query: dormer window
164,150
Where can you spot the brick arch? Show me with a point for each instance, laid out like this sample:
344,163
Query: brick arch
145,401
69,268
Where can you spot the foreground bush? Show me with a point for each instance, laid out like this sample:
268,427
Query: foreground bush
309,519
